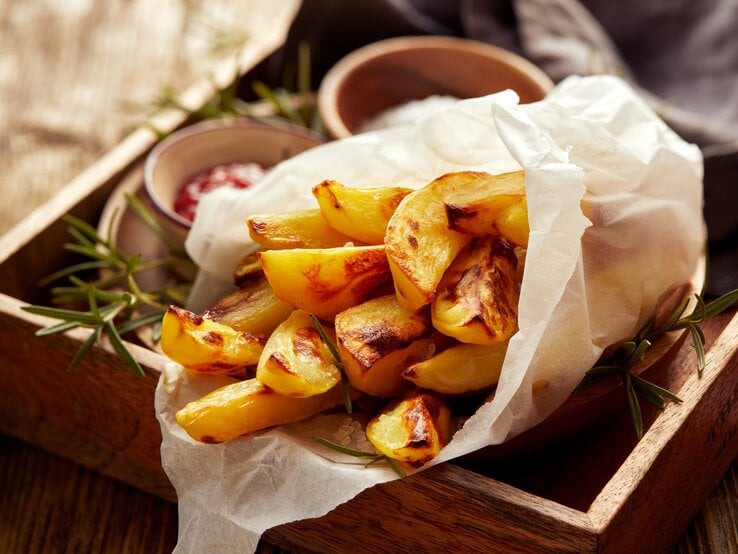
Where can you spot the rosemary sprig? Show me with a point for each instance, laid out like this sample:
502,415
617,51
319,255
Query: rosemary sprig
371,457
112,303
291,102
337,362
631,352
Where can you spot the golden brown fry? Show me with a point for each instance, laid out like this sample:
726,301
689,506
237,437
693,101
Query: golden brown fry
473,210
203,345
420,246
361,213
513,223
414,430
460,369
298,229
248,406
477,298
251,309
377,340
296,362
325,281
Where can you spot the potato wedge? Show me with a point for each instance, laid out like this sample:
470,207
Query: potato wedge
325,281
296,362
460,369
413,430
251,309
420,246
247,269
377,340
513,223
477,298
361,213
298,229
473,211
202,345
248,406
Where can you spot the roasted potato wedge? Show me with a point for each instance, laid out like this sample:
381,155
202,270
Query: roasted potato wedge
296,362
251,309
413,430
247,269
460,369
325,281
513,223
248,406
474,210
361,213
477,298
298,229
202,345
420,246
377,340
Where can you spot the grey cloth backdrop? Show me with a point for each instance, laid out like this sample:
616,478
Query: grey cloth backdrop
682,55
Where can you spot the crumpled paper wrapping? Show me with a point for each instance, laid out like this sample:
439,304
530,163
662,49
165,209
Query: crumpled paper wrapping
615,208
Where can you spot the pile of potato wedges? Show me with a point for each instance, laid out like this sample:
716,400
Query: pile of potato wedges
416,290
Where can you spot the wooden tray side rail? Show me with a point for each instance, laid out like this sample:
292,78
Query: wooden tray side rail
680,459
443,509
99,415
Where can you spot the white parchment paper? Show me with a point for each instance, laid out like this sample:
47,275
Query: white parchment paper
615,208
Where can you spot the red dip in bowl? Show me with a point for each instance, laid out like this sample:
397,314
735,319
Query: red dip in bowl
238,175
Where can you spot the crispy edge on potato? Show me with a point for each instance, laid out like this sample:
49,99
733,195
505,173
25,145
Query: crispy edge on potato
202,345
361,213
420,246
473,211
377,340
253,308
412,430
295,361
477,299
326,281
297,229
460,369
247,406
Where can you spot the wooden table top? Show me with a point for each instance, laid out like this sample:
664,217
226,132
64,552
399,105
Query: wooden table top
75,78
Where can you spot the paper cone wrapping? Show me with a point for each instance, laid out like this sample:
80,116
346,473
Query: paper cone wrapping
615,210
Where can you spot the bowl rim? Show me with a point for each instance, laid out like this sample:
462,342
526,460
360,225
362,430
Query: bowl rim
204,127
336,75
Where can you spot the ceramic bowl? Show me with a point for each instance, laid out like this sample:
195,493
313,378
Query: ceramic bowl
391,72
202,146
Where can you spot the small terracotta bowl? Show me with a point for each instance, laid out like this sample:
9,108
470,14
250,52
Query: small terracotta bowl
202,146
391,72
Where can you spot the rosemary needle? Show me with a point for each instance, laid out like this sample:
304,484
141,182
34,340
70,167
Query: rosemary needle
337,362
112,304
372,457
631,352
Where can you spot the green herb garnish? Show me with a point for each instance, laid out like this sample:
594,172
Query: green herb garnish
293,102
114,304
371,457
337,362
633,351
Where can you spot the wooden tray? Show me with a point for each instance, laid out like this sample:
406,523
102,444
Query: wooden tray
599,491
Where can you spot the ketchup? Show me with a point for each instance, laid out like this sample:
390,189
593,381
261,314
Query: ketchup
238,175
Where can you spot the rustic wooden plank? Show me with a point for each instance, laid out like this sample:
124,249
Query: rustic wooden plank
426,513
52,505
672,470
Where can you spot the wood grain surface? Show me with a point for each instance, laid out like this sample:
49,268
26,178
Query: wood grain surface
75,79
